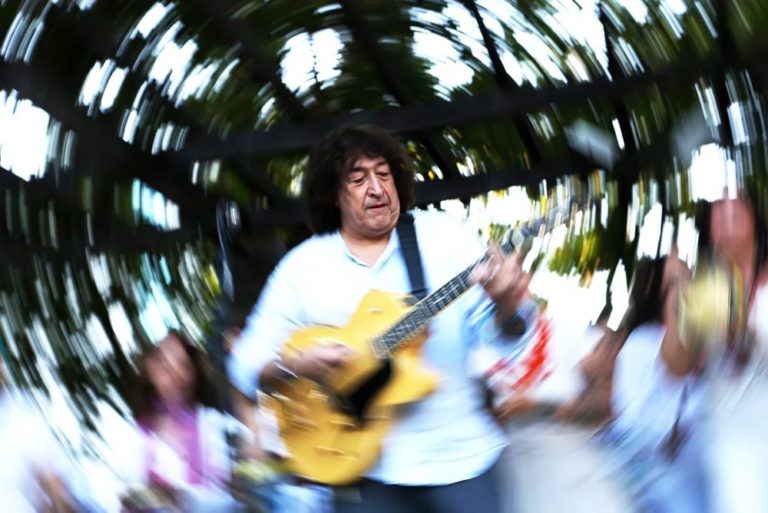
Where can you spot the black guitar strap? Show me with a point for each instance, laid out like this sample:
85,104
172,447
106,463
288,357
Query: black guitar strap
410,249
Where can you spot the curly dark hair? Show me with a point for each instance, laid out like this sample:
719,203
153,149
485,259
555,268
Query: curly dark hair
143,397
332,159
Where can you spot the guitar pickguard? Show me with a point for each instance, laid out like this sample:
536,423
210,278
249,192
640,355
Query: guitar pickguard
359,401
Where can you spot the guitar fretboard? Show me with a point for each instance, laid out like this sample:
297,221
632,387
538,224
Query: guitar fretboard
425,310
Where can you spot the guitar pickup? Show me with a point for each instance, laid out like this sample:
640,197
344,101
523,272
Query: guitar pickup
343,423
277,396
338,452
330,450
317,395
377,417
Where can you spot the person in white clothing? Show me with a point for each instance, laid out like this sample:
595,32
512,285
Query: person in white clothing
734,369
33,467
655,432
440,453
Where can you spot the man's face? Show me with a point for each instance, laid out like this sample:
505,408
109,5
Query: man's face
368,200
732,228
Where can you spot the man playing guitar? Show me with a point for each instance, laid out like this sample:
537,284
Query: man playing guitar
440,452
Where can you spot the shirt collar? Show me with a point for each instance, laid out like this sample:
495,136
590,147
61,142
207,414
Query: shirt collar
392,246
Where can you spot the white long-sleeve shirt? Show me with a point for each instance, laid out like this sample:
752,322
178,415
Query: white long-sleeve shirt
449,436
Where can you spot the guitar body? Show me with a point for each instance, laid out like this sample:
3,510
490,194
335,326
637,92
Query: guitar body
334,431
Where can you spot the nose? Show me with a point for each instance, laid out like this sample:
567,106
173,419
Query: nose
374,186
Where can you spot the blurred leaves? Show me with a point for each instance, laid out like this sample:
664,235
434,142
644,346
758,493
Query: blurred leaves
114,236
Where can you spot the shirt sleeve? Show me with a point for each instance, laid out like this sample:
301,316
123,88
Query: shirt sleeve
277,314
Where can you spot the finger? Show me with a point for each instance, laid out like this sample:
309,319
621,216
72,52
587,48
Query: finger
476,274
502,411
343,356
493,249
344,353
507,280
510,404
336,362
482,273
511,412
515,271
514,261
493,254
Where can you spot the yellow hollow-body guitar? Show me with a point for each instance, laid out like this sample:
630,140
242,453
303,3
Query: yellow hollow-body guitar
333,431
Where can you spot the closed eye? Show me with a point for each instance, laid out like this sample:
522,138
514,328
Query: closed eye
356,178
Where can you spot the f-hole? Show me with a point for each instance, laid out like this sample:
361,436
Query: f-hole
356,403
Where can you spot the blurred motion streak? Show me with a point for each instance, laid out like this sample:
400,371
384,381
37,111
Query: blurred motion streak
599,126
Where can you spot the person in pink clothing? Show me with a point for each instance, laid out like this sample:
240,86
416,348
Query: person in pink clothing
181,450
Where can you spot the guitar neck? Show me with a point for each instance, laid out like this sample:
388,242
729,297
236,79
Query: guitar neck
427,309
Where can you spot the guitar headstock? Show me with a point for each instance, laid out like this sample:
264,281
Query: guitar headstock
520,238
